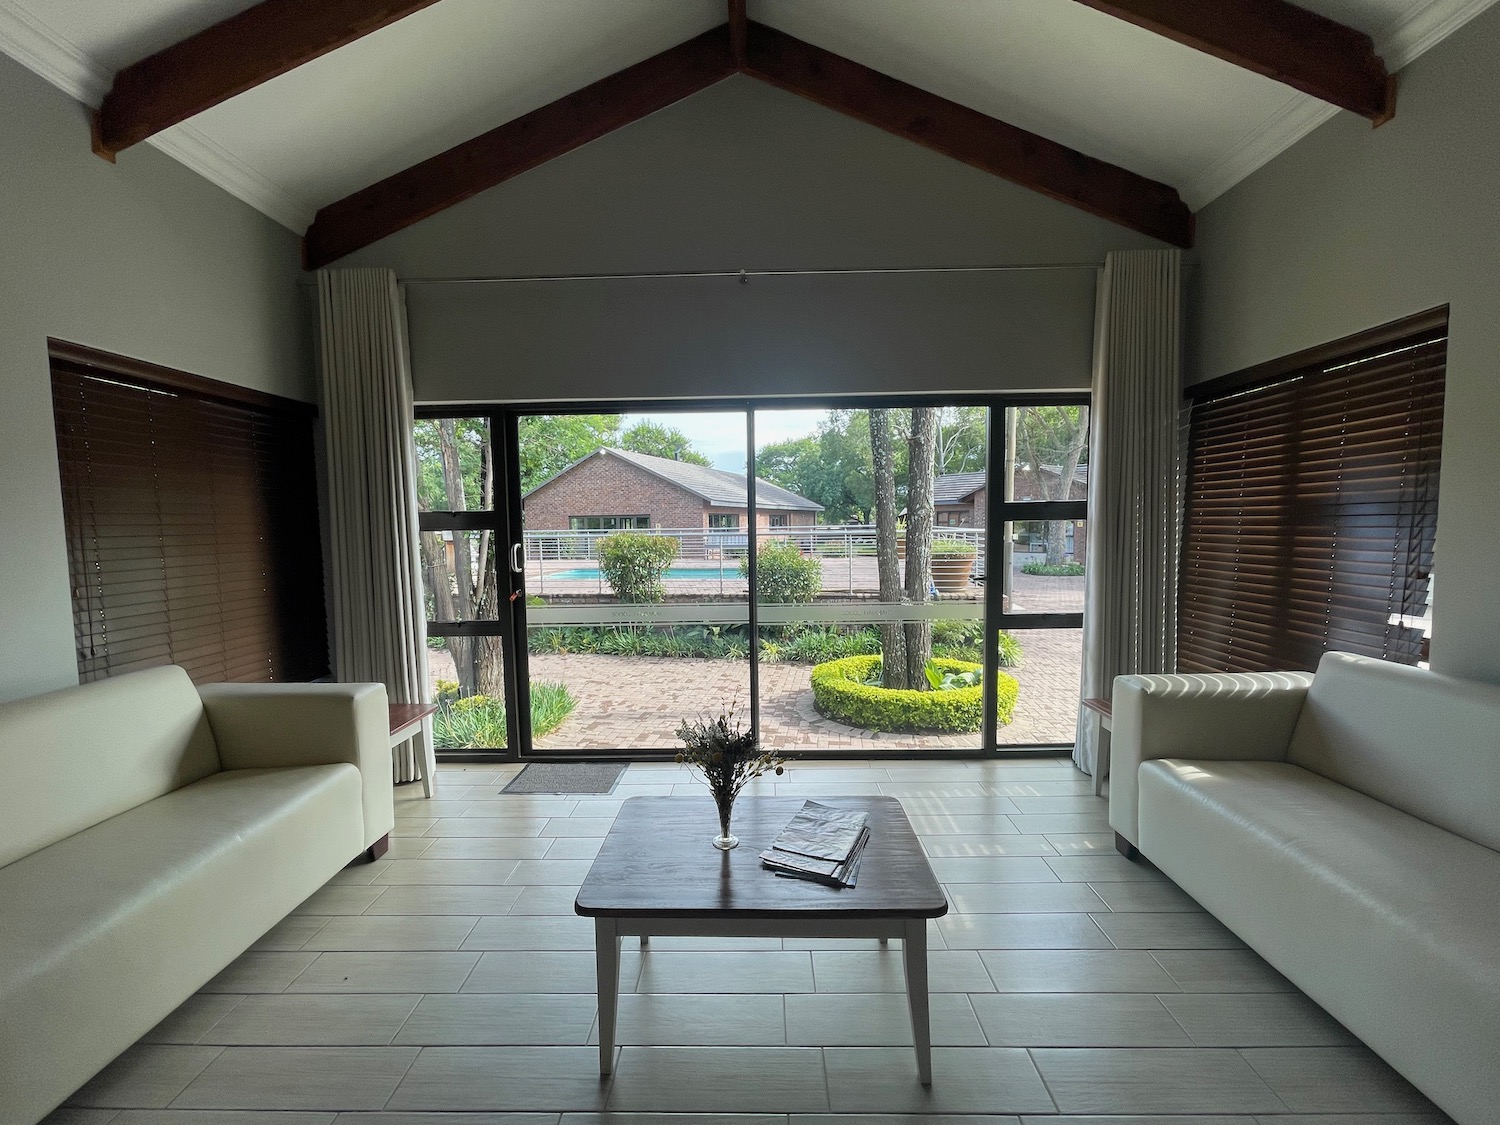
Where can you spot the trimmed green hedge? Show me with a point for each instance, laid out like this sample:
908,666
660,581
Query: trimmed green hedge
839,691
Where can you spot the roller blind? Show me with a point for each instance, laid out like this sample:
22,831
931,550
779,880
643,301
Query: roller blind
192,528
1311,511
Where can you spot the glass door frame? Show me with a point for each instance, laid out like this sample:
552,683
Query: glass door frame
507,516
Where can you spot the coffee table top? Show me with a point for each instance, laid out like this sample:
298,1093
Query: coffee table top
657,861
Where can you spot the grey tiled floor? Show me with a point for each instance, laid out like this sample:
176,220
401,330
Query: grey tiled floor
452,978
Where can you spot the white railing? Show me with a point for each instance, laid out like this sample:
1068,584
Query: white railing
837,541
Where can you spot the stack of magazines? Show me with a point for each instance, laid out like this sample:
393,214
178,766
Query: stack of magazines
822,844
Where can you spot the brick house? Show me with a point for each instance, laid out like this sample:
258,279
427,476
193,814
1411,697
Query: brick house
615,489
959,499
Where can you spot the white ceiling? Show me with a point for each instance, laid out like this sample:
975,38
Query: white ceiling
461,67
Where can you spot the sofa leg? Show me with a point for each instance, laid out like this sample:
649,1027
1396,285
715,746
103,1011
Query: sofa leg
1126,848
376,850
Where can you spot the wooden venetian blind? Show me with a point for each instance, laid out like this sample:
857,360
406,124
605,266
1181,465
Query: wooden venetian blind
192,525
1312,509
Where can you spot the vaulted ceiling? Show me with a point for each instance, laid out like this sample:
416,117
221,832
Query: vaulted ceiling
1107,104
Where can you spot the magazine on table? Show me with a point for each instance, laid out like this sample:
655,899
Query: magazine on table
821,843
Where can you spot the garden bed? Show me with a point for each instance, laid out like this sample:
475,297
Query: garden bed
842,690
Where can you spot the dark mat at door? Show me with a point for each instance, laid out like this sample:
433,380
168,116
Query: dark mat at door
566,777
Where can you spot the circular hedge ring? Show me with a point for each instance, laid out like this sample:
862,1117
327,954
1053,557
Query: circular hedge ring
839,692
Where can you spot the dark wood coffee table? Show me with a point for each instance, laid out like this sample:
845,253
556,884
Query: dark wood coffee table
657,873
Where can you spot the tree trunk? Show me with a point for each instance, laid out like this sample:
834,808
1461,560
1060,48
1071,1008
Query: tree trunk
921,458
893,666
462,648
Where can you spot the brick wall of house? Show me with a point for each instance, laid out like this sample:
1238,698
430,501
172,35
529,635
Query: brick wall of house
609,486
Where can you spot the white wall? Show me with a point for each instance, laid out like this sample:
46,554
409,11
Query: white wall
144,259
747,176
1352,228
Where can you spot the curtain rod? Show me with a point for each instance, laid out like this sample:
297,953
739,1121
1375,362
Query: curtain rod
746,275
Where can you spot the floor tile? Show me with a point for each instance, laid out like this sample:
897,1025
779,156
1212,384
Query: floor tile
418,1118
882,971
1070,803
312,1020
1153,1081
487,847
953,824
81,1115
1335,1080
999,869
1167,931
613,1118
1022,931
532,932
550,872
409,847
520,805
1221,970
573,847
548,971
415,899
472,1019
1103,869
964,846
394,932
1063,1019
1082,843
448,872
678,1020
1076,970
578,826
903,1119
451,827
767,971
146,1076
546,900
511,1078
1038,823
260,972
225,1117
1145,898
290,934
340,900
964,1080
992,807
1022,898
877,1019
1286,1019
193,1017
298,1078
386,972
719,1079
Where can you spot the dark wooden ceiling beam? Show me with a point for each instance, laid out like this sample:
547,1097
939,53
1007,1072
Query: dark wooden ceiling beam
1034,162
517,146
1292,45
229,58
737,25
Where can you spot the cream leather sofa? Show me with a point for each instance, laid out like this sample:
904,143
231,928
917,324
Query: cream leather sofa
150,833
1346,827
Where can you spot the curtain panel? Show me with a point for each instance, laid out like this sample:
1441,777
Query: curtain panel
1130,615
379,620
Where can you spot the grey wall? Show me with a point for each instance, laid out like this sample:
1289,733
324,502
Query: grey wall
144,259
1352,228
747,176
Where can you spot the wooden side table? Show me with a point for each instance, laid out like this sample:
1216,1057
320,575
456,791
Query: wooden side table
1105,710
408,719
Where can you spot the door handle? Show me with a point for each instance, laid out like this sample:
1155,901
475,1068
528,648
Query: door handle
516,565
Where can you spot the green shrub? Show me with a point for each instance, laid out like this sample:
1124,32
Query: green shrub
1054,570
959,640
953,547
841,692
477,722
633,564
785,575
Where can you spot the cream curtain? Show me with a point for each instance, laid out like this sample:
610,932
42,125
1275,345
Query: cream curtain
1130,616
379,623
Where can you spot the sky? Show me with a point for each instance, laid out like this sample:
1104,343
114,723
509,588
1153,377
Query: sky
721,436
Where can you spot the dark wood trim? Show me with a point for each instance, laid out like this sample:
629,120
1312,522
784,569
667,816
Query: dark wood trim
375,850
91,361
1004,150
230,57
404,714
737,31
491,158
1100,706
1126,848
481,519
1263,374
1281,41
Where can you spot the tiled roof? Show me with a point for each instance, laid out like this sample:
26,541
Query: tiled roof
714,486
955,488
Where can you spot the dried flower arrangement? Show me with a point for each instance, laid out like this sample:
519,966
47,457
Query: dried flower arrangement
728,757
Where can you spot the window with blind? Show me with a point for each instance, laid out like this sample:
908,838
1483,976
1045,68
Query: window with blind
1311,511
190,508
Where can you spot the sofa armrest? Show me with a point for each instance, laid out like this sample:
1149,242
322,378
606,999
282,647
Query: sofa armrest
261,726
1219,717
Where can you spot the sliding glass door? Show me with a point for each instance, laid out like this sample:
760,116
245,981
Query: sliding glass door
826,571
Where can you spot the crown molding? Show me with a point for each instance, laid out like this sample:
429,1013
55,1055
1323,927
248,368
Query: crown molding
1425,25
42,50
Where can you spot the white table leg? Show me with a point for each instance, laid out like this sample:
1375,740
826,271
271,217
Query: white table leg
914,953
607,956
429,759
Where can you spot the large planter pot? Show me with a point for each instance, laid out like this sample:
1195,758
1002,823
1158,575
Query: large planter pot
950,573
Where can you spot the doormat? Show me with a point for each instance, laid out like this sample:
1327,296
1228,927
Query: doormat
566,777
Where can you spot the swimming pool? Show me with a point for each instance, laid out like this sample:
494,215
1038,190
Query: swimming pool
695,573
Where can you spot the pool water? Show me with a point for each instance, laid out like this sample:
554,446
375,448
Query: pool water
700,573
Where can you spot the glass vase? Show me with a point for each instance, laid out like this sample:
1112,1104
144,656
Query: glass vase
725,840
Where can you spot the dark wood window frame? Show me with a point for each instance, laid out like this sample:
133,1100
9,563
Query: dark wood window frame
1311,503
190,509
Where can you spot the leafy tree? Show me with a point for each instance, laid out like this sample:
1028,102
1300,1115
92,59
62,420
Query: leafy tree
831,466
961,439
1051,442
549,443
658,440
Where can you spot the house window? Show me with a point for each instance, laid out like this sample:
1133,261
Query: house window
191,518
608,523
729,520
778,519
1311,511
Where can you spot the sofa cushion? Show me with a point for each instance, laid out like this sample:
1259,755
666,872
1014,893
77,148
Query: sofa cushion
105,933
74,757
1386,921
1425,743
